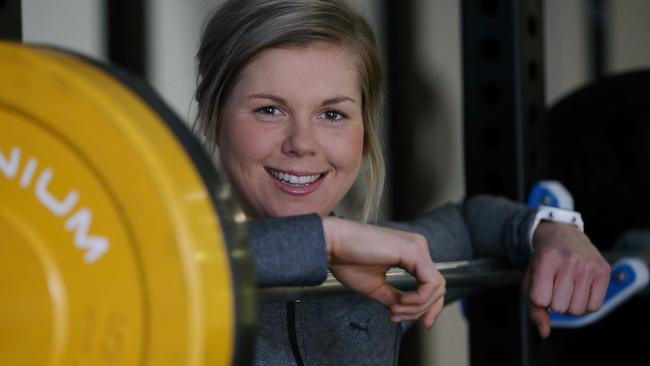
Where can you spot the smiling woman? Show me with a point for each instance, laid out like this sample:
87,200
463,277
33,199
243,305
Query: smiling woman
289,94
291,132
254,27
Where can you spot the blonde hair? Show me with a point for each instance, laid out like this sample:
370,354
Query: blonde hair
240,29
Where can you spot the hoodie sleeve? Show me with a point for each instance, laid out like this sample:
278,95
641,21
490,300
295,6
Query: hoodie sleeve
480,226
288,251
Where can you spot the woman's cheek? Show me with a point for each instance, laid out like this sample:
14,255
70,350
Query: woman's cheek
349,149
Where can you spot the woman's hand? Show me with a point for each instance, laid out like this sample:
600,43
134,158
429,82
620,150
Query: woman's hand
566,274
360,255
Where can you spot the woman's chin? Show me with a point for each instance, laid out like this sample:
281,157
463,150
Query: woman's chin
296,210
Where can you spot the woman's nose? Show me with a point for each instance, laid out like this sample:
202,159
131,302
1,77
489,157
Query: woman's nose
300,139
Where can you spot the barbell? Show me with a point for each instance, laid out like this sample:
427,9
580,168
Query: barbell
121,244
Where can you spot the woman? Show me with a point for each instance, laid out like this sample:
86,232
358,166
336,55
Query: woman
289,94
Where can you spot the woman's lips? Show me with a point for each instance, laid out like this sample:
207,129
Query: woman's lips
296,183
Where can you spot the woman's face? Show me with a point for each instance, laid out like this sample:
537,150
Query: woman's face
291,130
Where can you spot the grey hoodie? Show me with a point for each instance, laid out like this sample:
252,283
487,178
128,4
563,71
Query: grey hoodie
352,329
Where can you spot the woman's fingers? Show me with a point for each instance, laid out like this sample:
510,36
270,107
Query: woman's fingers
575,287
386,294
541,318
583,282
599,288
428,317
402,308
427,311
540,293
427,300
540,279
415,258
427,285
431,316
563,288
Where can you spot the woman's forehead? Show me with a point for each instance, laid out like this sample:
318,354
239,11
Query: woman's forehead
327,51
313,68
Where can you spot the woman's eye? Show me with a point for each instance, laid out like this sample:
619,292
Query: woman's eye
270,110
333,115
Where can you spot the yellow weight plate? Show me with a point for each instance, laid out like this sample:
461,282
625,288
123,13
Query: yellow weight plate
112,250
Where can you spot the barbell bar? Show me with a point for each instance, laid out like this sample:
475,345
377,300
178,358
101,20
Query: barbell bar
461,277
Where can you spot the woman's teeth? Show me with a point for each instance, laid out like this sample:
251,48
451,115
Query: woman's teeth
294,179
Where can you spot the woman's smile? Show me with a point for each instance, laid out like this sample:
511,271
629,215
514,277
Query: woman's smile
298,183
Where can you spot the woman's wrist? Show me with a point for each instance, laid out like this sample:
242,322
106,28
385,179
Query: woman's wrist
552,215
549,229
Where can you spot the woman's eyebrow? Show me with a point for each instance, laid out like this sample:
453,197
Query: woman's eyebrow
272,97
280,100
336,100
